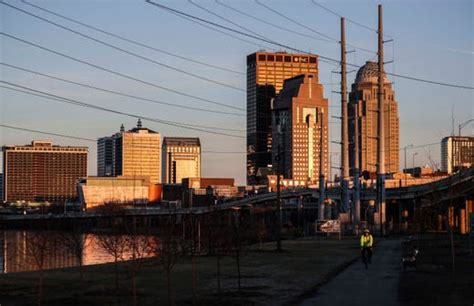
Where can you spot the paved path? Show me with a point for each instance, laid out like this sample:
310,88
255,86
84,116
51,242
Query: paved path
357,286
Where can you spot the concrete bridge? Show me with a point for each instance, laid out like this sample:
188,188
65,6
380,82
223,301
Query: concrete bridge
456,189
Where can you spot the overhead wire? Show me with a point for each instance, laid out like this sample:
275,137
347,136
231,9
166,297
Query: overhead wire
120,93
121,37
225,19
348,19
296,49
35,92
118,73
46,133
268,23
200,77
310,28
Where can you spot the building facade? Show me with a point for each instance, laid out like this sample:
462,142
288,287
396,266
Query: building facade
136,152
457,152
42,172
266,73
363,97
300,131
97,191
181,158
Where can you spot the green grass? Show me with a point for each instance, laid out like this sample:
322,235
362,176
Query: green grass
268,278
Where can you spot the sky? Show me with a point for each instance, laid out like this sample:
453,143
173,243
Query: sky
432,40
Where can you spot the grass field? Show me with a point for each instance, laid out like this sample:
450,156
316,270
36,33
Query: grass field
268,278
434,282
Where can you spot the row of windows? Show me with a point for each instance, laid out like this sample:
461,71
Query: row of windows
286,58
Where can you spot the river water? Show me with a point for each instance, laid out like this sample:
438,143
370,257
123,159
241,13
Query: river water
27,250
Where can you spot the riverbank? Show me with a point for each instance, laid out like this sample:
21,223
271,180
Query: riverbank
267,278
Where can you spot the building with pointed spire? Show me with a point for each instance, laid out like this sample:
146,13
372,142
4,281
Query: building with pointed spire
133,153
363,96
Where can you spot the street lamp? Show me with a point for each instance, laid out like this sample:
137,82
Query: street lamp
414,154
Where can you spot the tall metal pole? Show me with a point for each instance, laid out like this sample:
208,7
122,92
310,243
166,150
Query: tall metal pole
380,129
322,190
356,167
344,125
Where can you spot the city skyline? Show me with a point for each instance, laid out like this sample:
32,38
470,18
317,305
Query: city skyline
433,58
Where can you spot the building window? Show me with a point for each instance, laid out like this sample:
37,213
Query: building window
287,58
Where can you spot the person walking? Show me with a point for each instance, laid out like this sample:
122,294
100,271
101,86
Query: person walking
366,243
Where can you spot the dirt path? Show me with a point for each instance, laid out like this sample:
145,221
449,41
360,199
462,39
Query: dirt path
357,286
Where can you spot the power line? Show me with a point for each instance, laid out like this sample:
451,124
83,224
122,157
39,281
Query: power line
76,102
134,41
222,32
295,49
236,24
46,133
268,23
225,19
34,92
121,93
329,38
94,140
118,73
309,28
348,19
200,77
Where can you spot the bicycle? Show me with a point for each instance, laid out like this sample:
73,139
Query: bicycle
366,256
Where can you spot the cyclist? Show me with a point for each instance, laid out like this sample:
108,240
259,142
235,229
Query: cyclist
366,243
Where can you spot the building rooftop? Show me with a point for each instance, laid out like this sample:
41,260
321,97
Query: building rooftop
181,141
369,74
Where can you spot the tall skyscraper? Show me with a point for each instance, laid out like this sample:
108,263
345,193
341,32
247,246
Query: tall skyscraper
181,159
300,119
457,152
42,172
364,97
136,152
266,73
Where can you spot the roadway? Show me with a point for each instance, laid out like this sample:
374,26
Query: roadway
377,285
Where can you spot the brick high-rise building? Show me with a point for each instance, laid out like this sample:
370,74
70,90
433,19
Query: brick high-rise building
42,172
300,112
266,73
364,97
136,152
181,159
457,152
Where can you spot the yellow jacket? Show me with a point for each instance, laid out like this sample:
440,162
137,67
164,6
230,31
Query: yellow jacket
366,241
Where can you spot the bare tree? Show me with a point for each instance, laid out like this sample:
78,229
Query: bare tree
222,246
40,244
139,245
75,241
169,250
114,242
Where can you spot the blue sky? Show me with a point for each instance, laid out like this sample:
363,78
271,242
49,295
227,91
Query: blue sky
432,40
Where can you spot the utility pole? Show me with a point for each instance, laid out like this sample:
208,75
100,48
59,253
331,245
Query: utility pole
356,166
322,190
344,125
278,160
380,129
